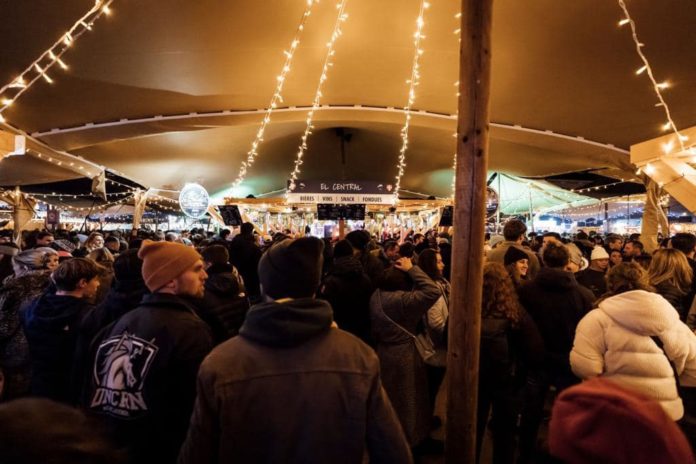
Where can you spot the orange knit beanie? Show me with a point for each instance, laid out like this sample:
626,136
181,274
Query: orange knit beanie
165,261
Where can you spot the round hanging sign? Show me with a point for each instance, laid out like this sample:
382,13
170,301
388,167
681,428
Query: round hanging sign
194,200
492,202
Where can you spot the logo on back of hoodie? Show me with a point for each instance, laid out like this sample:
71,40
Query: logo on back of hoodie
120,370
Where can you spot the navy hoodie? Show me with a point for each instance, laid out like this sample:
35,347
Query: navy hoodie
51,325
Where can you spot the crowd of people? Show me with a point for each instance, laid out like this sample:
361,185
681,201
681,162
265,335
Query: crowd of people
197,347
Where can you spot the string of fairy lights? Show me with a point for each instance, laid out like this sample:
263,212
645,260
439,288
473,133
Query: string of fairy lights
277,95
413,83
657,87
458,33
597,187
39,68
341,17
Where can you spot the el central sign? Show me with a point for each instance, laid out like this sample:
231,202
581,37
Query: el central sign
353,192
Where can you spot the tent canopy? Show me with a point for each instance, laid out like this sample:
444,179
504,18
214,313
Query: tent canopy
174,93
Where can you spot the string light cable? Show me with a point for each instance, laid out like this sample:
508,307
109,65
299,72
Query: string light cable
658,87
277,95
51,56
316,103
413,82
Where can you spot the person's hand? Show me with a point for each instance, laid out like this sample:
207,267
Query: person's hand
403,264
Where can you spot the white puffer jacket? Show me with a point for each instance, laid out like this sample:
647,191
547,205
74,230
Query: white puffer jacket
614,341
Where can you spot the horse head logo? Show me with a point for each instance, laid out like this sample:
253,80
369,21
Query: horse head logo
117,367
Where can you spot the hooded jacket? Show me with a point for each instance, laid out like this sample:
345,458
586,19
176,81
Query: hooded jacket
292,389
348,288
245,256
143,376
557,303
614,341
224,305
51,325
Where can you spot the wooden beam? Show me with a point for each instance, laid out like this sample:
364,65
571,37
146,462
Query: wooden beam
469,222
7,143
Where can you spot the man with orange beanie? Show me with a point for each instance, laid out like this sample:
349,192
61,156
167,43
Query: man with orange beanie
144,371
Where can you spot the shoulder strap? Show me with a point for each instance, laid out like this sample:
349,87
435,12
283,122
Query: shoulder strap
660,345
381,308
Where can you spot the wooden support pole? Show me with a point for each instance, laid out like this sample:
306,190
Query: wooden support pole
469,224
341,229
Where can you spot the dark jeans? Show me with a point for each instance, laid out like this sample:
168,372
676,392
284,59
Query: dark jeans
505,404
535,393
435,377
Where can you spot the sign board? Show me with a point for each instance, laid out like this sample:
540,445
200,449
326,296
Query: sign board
335,212
231,215
341,192
194,200
53,217
446,216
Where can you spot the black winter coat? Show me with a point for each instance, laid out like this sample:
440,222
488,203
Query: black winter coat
15,362
51,325
225,304
291,389
557,302
245,256
348,289
145,368
122,298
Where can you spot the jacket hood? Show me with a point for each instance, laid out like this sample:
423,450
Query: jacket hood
222,284
51,311
555,278
347,265
642,312
287,324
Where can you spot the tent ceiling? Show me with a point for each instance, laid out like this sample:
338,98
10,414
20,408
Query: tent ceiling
558,66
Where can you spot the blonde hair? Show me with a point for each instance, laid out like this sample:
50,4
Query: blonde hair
671,266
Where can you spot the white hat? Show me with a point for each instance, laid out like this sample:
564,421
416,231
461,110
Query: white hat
599,253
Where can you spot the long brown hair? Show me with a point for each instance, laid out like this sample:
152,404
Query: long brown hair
670,265
499,295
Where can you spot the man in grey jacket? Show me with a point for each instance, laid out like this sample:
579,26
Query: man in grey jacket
292,388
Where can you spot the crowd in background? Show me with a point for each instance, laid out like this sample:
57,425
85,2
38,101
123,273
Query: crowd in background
209,347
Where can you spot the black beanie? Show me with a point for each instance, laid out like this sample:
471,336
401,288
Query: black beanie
343,248
514,254
359,239
128,267
292,268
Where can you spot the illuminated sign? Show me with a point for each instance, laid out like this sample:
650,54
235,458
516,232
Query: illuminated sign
194,200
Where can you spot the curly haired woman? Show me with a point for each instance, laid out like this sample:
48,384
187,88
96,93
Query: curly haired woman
510,341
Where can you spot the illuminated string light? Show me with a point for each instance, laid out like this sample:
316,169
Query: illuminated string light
597,187
458,31
276,98
413,83
328,63
52,55
658,87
